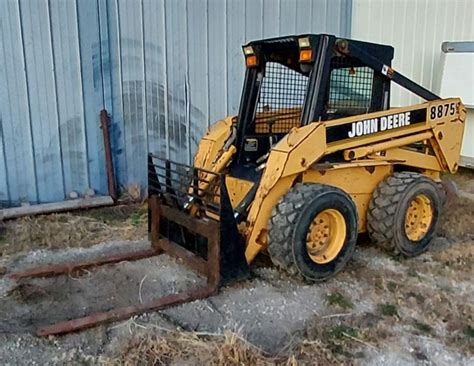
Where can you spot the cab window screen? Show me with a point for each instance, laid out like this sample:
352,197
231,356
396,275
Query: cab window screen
281,99
350,88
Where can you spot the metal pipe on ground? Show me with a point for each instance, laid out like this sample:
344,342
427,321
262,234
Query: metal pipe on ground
47,208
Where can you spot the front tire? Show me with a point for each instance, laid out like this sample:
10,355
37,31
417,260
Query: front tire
313,231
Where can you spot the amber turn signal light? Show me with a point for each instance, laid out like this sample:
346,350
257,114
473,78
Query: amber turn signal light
306,55
251,61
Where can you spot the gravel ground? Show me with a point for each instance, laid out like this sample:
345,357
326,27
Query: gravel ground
271,310
379,310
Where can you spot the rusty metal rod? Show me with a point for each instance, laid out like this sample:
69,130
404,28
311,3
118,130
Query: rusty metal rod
109,164
58,269
126,312
209,267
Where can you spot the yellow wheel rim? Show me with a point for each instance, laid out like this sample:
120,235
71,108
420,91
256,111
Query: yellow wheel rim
326,236
418,217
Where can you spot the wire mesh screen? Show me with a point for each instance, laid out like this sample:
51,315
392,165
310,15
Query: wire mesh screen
281,99
350,87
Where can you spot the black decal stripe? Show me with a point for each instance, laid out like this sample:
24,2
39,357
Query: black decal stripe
418,116
338,133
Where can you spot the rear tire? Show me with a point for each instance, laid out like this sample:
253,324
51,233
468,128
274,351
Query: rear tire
403,213
313,231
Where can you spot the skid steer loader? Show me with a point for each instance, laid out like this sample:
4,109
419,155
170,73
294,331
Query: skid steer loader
314,157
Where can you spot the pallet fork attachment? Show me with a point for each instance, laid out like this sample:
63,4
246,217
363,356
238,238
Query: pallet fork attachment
217,253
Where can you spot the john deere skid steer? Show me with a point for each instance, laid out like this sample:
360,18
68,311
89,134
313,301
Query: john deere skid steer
314,157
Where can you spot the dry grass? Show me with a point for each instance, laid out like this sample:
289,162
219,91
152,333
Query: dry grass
80,229
464,179
215,349
457,219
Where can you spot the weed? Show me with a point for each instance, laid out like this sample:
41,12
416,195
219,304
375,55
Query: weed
387,309
378,283
392,286
341,331
136,219
422,327
340,300
469,331
412,272
420,299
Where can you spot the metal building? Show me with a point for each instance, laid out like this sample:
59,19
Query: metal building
416,29
163,69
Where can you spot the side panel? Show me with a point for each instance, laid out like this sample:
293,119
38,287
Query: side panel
358,181
237,189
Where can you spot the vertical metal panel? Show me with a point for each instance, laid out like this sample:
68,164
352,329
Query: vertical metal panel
164,69
176,59
18,168
217,61
129,14
110,26
42,95
235,67
155,76
197,73
89,51
67,72
416,30
50,97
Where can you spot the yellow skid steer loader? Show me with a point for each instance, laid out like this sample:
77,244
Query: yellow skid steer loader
314,157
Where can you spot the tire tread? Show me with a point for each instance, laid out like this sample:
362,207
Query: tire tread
383,208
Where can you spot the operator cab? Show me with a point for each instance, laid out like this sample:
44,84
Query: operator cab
293,81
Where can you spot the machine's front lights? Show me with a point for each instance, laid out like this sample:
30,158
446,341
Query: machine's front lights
303,42
248,51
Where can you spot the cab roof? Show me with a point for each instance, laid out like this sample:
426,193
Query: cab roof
289,44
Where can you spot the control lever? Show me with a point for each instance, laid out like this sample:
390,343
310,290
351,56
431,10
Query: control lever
270,124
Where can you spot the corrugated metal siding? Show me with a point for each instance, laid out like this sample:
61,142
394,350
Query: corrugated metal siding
48,100
416,30
164,69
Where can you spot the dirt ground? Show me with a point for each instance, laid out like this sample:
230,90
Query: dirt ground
380,310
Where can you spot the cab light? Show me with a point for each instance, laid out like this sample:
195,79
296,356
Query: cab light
306,55
303,42
248,51
251,61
